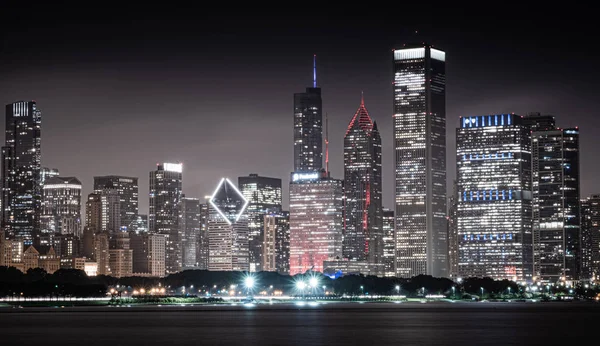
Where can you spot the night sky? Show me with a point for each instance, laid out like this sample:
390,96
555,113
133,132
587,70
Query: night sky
122,88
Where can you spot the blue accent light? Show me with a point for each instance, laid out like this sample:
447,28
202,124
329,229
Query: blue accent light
476,121
503,196
509,194
510,236
502,119
464,195
509,118
490,120
471,195
483,121
496,119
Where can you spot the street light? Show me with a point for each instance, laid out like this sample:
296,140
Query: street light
362,290
301,285
481,292
314,282
249,283
454,292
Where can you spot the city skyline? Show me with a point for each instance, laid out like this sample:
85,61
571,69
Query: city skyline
189,88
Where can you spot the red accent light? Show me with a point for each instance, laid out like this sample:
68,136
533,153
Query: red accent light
364,120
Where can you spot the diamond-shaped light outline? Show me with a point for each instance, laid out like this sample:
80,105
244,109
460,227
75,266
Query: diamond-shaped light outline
223,180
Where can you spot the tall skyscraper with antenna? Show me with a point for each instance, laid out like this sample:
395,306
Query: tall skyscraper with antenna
308,128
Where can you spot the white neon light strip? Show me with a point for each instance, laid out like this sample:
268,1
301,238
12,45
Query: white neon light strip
236,190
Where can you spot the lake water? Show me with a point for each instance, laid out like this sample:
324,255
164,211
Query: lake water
368,324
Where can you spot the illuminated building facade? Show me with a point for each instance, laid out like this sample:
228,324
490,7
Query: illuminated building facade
556,198
46,173
389,243
190,228
453,234
420,161
61,206
316,221
276,245
363,233
21,165
127,190
148,254
590,238
264,196
163,217
228,229
202,247
494,198
308,128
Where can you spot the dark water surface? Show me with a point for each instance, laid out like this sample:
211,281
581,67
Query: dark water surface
284,324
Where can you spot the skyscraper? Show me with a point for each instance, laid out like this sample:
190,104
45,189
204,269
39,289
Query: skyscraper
202,247
189,223
148,254
420,160
21,164
264,196
61,204
276,245
316,221
493,163
590,238
453,234
389,243
127,190
363,233
308,128
556,198
228,229
165,199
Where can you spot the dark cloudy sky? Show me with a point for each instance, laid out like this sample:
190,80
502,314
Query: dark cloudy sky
124,87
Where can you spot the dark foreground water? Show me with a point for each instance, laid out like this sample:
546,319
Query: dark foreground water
331,324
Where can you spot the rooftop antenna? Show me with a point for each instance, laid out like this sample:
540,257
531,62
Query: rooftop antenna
327,144
314,70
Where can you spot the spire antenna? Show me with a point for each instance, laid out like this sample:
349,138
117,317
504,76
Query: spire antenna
327,144
362,98
314,70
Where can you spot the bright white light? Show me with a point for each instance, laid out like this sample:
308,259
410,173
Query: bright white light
300,303
237,217
313,304
314,282
249,282
304,176
300,285
173,167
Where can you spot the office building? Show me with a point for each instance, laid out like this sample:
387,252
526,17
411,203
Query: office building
127,191
493,220
61,206
363,233
228,229
389,243
66,246
103,211
556,198
590,238
264,196
419,86
316,220
276,245
148,254
536,121
190,228
141,224
21,165
165,199
102,253
308,128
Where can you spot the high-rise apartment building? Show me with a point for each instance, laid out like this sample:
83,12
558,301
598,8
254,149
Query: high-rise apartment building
102,253
389,243
308,128
363,228
556,198
61,206
127,191
316,221
21,165
228,229
420,160
120,255
103,212
165,199
189,223
590,238
264,196
494,197
276,245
